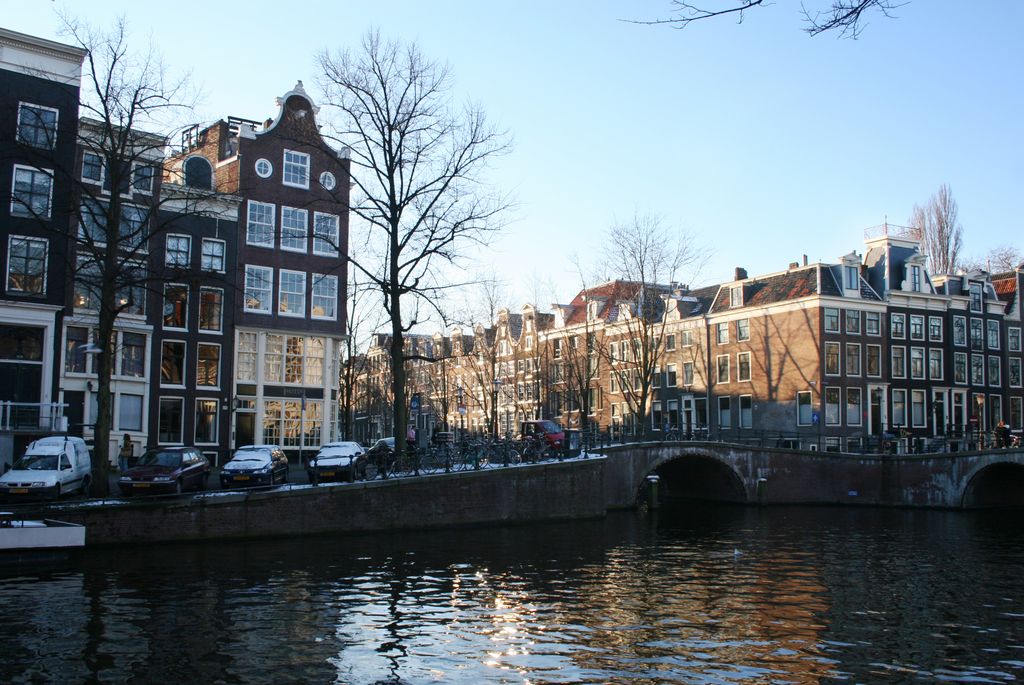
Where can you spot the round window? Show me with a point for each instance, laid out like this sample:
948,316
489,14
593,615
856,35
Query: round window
264,168
327,180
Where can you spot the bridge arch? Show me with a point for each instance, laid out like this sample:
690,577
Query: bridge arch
697,474
999,484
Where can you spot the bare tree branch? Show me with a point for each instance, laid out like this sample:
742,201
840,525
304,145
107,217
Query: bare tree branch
419,164
844,16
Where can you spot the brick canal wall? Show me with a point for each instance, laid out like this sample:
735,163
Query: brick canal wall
542,492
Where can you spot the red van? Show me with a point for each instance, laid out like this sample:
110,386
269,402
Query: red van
551,431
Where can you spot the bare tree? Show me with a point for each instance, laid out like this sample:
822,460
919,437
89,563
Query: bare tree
128,109
940,230
844,16
363,317
1004,258
649,257
418,173
999,259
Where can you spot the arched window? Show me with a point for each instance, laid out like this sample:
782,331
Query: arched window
198,173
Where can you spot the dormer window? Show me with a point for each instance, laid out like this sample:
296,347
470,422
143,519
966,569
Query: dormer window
592,308
852,277
976,297
915,278
198,173
736,296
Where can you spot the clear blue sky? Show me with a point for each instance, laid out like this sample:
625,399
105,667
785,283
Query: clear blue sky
763,142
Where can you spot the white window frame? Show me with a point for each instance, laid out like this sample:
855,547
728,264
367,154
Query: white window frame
27,240
857,418
810,407
262,226
181,431
136,167
923,396
746,414
831,314
184,363
718,369
739,367
22,105
917,321
268,274
19,209
216,420
217,385
320,279
284,297
292,233
935,323
935,353
893,318
102,167
220,320
185,288
299,160
994,363
203,255
743,330
332,240
839,359
168,252
867,356
918,354
1013,337
1013,368
900,372
853,351
876,319
838,405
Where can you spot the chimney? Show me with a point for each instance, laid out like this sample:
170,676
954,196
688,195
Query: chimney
741,273
794,265
805,260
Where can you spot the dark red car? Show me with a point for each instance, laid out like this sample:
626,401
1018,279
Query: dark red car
166,470
549,430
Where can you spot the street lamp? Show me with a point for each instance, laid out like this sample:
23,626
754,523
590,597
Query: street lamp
496,383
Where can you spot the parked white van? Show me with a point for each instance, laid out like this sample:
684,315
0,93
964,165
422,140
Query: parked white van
51,467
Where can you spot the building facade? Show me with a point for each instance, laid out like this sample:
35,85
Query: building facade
869,351
289,316
39,93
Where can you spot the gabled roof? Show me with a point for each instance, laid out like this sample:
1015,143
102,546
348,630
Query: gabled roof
610,296
782,287
515,326
1005,285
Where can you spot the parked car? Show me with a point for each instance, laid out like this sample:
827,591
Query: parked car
549,430
51,467
338,461
166,470
255,465
382,453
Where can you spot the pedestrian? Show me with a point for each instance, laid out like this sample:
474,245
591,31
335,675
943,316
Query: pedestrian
126,453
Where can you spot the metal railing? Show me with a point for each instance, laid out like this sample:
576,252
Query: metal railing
32,416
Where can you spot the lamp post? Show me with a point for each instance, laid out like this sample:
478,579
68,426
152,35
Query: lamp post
462,415
496,383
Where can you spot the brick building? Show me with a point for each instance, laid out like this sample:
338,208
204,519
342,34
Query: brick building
289,317
840,355
39,93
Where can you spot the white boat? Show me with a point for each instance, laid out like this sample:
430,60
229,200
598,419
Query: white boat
27,535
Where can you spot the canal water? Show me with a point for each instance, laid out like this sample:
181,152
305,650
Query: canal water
690,595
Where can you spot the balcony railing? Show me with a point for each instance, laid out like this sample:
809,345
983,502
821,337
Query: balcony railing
33,416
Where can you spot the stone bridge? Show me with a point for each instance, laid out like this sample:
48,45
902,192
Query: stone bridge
742,474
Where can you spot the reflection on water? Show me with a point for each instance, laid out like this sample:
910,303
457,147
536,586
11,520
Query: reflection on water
697,595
